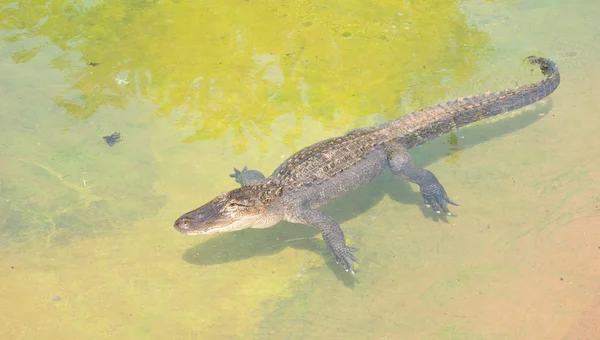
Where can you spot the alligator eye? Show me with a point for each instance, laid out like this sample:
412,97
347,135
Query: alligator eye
236,204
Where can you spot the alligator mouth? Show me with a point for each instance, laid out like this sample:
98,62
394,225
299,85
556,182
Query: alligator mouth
188,227
193,232
230,227
204,231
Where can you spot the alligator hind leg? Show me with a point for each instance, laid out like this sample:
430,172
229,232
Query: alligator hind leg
247,177
401,163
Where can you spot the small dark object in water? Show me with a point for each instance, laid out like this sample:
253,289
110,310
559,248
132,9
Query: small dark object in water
93,64
112,139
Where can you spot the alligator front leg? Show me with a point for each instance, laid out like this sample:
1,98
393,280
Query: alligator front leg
432,191
247,177
332,234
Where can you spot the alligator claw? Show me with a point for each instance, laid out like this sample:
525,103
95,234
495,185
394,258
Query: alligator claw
345,257
435,197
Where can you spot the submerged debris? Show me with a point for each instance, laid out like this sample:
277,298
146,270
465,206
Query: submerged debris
112,139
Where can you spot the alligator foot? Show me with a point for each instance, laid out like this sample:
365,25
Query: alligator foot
435,196
345,257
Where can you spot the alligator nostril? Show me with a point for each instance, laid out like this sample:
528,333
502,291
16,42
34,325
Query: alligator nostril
182,223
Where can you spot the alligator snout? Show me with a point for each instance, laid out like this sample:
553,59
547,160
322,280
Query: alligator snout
183,224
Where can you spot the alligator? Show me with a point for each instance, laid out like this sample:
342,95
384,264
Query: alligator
329,169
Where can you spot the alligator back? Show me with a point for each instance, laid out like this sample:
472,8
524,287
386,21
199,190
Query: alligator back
330,157
325,159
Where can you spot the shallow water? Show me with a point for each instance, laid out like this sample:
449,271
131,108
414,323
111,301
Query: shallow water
87,247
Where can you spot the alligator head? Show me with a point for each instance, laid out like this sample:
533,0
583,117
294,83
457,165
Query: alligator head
235,210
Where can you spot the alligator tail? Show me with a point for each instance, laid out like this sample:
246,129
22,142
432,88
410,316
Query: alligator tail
421,126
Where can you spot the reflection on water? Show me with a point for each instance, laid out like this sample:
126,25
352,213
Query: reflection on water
195,88
238,67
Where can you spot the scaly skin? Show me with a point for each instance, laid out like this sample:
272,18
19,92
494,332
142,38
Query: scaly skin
327,170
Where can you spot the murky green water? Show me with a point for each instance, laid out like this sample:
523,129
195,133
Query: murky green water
87,248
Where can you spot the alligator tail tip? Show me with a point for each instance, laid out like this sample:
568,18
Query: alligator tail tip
546,65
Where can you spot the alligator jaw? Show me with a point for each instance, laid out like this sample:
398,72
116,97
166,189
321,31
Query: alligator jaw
187,226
